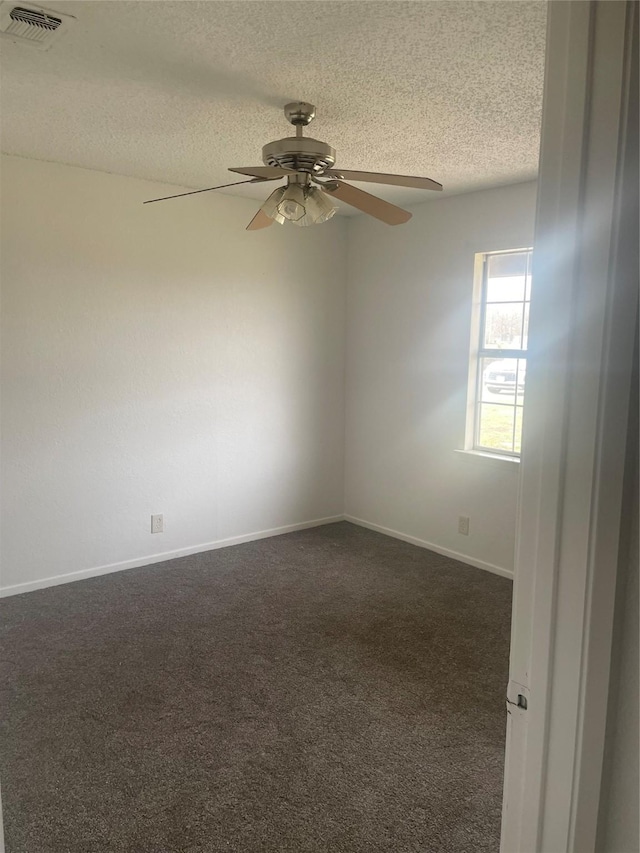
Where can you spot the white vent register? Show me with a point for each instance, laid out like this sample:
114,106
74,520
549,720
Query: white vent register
31,25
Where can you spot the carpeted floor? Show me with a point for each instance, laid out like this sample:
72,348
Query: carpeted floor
330,690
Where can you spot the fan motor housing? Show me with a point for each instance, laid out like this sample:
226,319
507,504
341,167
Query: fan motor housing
301,154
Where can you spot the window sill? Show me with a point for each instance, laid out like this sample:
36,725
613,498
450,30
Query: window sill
492,457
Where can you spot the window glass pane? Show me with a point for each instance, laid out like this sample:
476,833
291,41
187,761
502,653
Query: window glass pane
503,326
498,380
508,264
495,428
507,289
518,435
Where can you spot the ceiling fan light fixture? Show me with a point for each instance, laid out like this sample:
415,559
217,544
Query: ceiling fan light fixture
270,206
304,221
292,204
302,160
320,206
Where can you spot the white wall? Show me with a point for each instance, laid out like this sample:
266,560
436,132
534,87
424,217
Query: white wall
160,359
621,791
408,328
619,818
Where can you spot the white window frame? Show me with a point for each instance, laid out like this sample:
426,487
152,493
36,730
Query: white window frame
477,352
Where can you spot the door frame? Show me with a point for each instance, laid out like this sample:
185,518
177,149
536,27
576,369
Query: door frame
581,336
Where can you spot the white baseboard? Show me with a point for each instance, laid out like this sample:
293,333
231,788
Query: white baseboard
421,543
30,586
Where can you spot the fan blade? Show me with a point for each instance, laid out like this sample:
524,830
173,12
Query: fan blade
380,178
368,203
260,220
269,173
208,190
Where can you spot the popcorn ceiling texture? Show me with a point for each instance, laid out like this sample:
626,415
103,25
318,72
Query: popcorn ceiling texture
177,91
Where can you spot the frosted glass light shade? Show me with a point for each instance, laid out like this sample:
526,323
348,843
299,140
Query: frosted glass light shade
292,203
320,205
270,206
318,208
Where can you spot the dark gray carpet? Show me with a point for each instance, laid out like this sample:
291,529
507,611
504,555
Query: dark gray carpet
328,690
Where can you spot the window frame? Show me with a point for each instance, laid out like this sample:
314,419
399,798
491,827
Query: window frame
477,352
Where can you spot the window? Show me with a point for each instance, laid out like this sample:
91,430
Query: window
498,367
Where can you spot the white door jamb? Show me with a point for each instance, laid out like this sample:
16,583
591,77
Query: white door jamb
581,333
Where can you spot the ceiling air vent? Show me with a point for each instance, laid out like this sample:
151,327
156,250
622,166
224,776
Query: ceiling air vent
32,25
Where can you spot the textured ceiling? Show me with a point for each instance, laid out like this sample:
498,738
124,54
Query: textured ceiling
178,91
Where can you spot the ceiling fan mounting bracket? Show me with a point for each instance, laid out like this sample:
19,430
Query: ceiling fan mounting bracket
300,113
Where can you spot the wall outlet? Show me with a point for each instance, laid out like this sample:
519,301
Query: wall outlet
157,524
463,525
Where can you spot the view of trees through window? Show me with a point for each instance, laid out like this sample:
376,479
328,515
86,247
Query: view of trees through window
501,368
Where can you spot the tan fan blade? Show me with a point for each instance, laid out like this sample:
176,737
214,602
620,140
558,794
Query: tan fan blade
264,172
380,178
260,220
368,203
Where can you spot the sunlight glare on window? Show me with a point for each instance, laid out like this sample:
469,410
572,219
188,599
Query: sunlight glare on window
499,352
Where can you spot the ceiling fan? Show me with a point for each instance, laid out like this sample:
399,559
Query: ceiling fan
312,182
